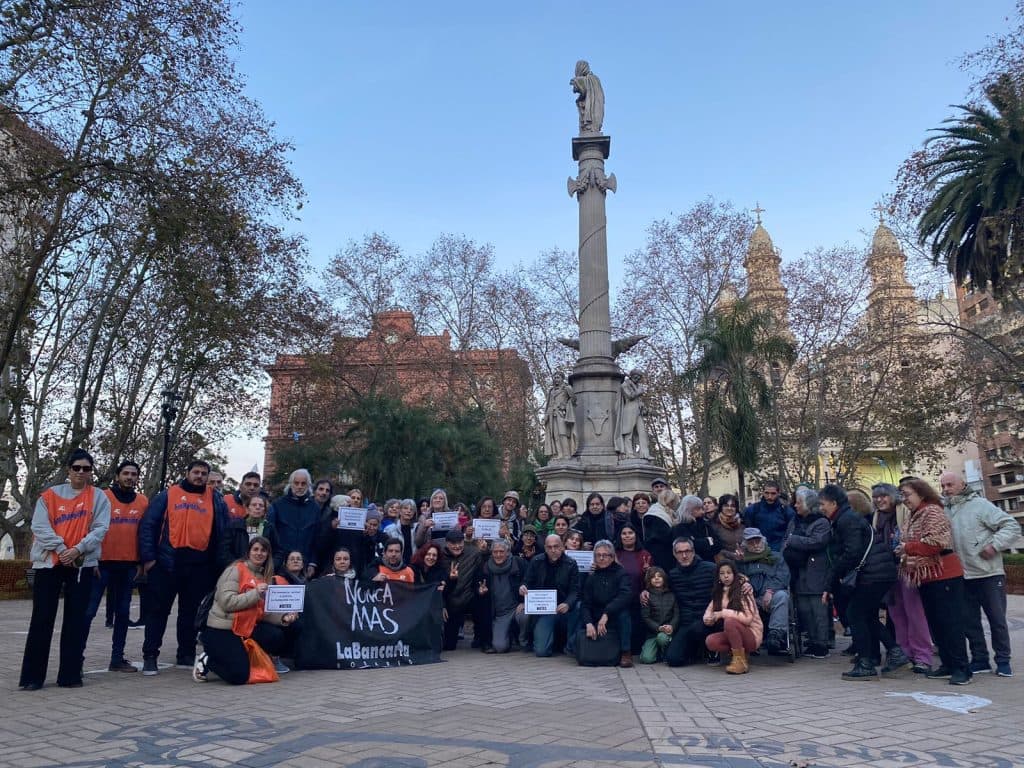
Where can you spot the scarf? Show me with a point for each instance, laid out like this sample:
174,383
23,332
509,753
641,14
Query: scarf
927,524
736,522
767,557
503,599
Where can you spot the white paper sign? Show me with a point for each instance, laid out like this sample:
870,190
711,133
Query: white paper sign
541,602
445,521
584,558
351,518
486,529
285,598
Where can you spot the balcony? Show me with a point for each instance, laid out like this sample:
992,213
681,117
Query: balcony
1016,485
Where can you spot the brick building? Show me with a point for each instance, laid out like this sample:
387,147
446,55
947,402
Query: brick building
999,410
395,360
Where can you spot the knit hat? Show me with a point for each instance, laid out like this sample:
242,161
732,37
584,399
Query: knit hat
372,513
510,495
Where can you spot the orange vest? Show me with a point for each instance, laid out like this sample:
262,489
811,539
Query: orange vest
244,622
235,510
405,574
69,518
122,540
189,518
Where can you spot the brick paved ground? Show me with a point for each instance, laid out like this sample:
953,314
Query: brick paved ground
513,710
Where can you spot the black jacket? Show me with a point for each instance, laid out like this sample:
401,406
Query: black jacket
692,588
705,541
235,543
563,576
607,591
806,553
459,594
596,527
851,535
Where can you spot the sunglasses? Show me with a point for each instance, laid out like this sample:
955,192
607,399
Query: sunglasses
80,468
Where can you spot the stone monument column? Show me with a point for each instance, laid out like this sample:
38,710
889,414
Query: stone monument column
596,380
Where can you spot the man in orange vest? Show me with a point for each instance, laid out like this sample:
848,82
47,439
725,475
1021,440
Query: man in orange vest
178,540
68,526
120,560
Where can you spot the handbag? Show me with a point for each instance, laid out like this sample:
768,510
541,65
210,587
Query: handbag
602,651
850,580
261,667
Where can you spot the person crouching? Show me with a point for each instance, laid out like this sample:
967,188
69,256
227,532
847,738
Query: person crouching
237,615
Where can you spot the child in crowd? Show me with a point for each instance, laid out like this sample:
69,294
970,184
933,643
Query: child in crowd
737,615
660,614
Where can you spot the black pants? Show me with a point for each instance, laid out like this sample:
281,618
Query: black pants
944,604
862,612
988,594
188,582
814,619
49,584
227,656
453,626
687,644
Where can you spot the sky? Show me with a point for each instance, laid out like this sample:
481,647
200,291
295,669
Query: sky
413,119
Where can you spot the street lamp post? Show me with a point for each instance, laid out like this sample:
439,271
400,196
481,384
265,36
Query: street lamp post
168,413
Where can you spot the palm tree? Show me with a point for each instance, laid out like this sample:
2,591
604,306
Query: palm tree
739,345
973,222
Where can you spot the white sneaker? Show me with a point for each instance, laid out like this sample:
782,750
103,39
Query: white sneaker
200,668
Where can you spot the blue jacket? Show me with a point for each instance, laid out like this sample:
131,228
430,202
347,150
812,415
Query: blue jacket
773,520
296,521
154,541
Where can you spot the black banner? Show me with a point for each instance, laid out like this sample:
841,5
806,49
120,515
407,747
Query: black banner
349,624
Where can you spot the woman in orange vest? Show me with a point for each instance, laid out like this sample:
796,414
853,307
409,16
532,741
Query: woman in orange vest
69,523
237,614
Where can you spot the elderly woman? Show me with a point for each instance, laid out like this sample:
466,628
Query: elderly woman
296,518
806,553
237,615
606,599
728,527
903,601
498,593
692,524
927,561
856,557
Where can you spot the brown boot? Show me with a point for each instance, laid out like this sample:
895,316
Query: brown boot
738,665
626,661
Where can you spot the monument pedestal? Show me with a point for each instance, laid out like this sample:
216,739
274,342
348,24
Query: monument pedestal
577,477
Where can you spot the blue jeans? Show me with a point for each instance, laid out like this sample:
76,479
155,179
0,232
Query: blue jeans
119,580
544,628
625,631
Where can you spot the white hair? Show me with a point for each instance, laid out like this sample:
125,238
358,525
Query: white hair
300,473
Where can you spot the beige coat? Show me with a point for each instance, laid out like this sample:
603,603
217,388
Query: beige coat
227,600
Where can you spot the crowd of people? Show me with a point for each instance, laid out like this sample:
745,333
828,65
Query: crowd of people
674,579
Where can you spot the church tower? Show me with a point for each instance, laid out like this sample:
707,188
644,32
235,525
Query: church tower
765,290
892,304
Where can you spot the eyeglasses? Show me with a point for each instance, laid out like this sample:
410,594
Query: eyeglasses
80,468
684,551
603,554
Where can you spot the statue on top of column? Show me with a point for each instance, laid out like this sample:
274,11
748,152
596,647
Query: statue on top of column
590,101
